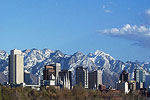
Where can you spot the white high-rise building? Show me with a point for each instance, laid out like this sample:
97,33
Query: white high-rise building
16,67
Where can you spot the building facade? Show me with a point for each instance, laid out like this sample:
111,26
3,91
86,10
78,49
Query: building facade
132,85
123,83
51,74
65,77
27,78
123,87
95,79
82,76
139,77
124,77
16,67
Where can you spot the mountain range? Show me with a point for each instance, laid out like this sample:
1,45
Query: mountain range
34,61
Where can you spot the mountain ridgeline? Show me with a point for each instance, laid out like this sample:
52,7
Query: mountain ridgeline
34,61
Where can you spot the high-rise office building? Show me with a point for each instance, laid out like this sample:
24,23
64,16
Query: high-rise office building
95,79
132,85
124,77
123,83
51,74
65,79
16,67
139,77
123,87
27,78
82,76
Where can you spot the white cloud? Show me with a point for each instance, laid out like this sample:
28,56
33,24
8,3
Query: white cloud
139,34
107,11
106,7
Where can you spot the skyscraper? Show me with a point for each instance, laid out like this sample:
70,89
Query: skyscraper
27,78
65,79
16,67
82,76
124,77
139,77
123,87
123,83
95,79
51,74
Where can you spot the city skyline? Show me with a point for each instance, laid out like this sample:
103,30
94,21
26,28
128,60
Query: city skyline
119,28
81,77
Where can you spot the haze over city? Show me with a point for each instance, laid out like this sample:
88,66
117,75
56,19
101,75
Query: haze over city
119,28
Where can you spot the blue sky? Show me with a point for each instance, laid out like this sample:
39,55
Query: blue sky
117,27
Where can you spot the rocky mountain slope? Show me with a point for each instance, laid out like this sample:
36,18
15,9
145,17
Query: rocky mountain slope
34,61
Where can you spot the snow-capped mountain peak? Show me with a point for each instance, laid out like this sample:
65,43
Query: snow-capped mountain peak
3,55
34,61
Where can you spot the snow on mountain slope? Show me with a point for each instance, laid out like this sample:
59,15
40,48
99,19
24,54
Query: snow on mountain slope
34,61
3,55
102,60
3,62
34,56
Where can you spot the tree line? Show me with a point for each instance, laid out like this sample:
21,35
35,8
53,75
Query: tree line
51,93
